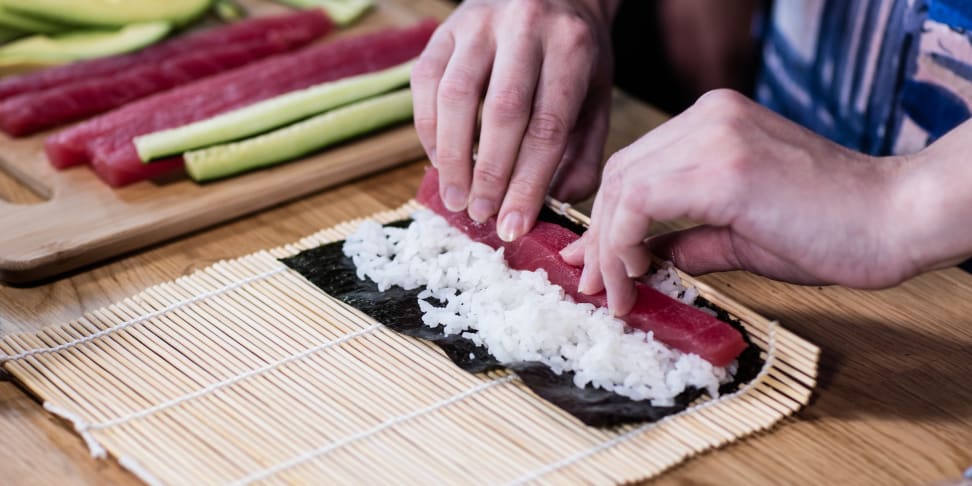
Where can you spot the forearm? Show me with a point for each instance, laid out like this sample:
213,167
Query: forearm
933,201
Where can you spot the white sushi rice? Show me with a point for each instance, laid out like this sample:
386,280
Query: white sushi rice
521,316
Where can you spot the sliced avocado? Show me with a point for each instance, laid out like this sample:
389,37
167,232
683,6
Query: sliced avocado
85,44
342,12
110,13
8,34
13,20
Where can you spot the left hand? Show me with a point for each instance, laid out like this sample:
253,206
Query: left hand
773,198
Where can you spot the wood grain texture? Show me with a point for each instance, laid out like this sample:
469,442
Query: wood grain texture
892,406
84,221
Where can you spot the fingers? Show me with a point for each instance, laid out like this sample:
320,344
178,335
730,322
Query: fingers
590,279
457,104
573,254
562,87
639,185
426,74
613,248
506,112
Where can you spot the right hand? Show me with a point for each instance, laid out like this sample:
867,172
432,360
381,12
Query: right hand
545,67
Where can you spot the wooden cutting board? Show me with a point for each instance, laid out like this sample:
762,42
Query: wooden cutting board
82,220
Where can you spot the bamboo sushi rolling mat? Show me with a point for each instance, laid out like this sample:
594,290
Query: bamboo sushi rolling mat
244,372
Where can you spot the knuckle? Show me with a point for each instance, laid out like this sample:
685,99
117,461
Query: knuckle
723,101
612,167
448,156
425,124
574,33
523,190
458,87
509,102
611,182
489,177
547,128
424,71
528,10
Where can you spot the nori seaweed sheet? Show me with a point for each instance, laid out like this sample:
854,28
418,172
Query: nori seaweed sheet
334,273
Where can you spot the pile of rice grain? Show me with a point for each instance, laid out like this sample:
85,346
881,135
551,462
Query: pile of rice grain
520,316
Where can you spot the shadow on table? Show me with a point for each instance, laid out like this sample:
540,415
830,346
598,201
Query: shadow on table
870,367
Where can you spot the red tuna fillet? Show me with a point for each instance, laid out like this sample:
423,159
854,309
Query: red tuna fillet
674,323
106,141
33,112
37,110
285,28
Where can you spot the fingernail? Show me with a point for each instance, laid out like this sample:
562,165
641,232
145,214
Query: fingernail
454,198
567,250
583,286
432,157
480,209
510,227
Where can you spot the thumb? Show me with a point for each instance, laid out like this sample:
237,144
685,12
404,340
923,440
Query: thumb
707,249
698,250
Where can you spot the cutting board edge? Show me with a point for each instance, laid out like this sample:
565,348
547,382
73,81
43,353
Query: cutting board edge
36,270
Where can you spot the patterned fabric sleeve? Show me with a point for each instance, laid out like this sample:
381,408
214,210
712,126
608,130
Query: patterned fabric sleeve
879,76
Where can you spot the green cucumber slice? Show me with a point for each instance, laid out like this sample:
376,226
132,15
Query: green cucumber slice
73,46
342,12
269,114
300,138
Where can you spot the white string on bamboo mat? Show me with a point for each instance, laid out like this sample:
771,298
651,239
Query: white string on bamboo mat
4,358
270,471
84,428
767,366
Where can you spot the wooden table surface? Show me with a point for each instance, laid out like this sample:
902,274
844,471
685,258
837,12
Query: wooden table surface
893,406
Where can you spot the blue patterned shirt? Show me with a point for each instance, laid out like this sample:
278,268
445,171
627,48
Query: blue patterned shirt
879,76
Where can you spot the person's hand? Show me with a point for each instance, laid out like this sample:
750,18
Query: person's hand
772,197
545,69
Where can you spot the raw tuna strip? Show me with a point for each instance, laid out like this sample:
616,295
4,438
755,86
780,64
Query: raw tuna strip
113,155
240,87
674,323
285,28
32,112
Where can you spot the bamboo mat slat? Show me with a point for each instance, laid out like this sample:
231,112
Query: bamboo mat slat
245,373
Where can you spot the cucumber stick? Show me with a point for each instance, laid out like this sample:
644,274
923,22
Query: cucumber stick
301,138
269,114
342,12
